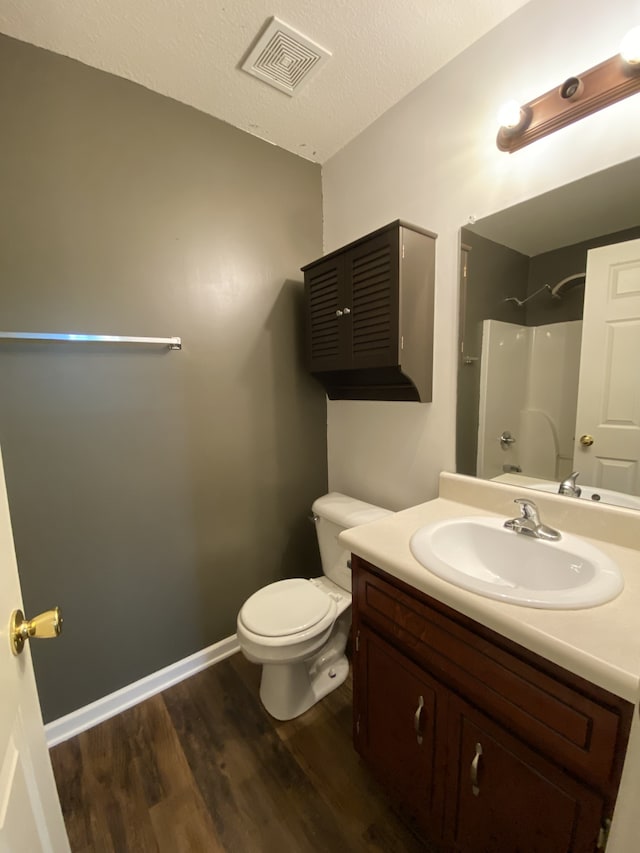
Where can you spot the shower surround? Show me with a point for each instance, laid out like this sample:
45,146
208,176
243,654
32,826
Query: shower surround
528,387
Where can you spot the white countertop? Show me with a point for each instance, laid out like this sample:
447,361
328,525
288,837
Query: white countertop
601,644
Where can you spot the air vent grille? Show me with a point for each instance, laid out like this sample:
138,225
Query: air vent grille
284,58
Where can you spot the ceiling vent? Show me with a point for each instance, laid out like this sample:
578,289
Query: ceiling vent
284,58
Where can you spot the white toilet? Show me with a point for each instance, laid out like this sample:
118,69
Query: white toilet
297,628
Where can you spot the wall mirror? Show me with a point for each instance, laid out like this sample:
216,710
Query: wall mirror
549,341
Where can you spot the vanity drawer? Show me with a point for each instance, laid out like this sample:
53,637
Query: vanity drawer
578,725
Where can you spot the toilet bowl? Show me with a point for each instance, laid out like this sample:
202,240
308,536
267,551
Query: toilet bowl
298,628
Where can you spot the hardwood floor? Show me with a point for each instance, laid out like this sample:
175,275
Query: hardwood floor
203,767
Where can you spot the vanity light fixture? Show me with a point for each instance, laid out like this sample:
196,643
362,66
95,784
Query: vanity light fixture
630,47
604,84
513,118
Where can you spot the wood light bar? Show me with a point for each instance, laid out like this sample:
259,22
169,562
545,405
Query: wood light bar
600,86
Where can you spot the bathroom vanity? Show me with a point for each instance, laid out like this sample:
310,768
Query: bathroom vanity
496,727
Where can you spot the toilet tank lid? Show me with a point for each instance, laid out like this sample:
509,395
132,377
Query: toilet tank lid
347,512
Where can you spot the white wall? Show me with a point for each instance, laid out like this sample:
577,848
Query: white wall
432,160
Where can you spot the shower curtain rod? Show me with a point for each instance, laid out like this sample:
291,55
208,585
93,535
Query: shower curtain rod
554,291
171,343
557,288
521,302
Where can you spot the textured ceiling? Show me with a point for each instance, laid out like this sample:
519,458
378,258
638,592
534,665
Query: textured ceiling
191,50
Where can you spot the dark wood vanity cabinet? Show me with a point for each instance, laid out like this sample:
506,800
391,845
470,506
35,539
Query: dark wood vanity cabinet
506,796
397,735
485,746
369,314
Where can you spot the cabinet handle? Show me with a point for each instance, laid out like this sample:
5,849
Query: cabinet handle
417,719
475,764
338,313
347,311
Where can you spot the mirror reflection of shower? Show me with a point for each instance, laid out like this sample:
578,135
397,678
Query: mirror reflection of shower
540,247
560,289
556,292
528,389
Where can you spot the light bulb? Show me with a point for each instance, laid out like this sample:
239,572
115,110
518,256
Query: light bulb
630,47
510,114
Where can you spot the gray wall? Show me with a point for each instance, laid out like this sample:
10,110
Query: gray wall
552,267
150,491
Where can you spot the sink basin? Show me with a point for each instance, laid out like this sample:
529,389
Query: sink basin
479,554
592,493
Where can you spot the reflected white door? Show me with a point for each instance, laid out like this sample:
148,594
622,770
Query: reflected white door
30,815
609,385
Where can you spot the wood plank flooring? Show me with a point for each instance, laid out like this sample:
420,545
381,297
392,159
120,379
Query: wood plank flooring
203,767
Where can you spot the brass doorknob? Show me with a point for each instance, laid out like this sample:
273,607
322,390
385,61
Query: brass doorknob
43,626
586,440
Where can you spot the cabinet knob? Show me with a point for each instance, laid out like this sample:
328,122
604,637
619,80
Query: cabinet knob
347,311
338,313
475,766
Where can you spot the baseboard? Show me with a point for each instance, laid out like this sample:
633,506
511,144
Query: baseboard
85,718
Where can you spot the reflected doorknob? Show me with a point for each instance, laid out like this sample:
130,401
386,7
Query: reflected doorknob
43,626
586,440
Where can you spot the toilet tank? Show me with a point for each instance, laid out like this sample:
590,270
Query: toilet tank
334,513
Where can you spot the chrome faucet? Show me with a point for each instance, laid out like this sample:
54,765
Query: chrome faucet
569,487
529,522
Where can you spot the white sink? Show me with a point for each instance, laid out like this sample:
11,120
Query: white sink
479,554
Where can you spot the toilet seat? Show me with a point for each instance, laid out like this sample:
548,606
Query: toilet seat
288,607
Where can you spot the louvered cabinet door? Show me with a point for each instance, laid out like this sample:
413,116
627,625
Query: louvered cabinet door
372,270
327,332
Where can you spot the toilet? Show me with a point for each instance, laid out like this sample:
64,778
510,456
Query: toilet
298,628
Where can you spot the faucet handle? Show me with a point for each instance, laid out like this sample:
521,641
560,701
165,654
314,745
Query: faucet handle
530,523
569,486
526,505
528,509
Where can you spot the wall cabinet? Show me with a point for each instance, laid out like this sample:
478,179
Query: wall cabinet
485,746
369,314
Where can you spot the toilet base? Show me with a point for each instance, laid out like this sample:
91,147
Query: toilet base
288,690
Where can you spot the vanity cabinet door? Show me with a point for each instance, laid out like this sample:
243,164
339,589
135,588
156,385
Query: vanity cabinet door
505,797
396,707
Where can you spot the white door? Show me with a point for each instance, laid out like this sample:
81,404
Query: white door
609,386
30,815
